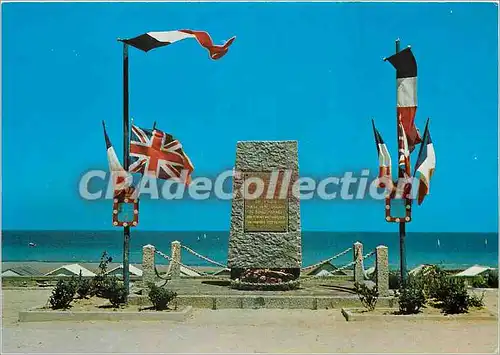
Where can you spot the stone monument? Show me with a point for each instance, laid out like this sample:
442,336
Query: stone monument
265,217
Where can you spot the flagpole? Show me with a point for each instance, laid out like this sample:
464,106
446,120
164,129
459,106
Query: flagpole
126,230
402,225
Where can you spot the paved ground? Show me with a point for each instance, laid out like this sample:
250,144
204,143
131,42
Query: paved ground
308,286
264,330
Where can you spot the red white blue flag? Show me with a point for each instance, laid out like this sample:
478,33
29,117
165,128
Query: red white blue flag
426,164
404,152
384,159
152,40
119,177
158,154
406,81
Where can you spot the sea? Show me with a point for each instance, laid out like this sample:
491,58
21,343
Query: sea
450,250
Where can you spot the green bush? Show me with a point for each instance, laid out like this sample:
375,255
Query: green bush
476,301
83,286
492,279
411,298
394,280
456,299
98,286
115,292
100,282
103,264
63,294
367,295
479,282
433,281
160,297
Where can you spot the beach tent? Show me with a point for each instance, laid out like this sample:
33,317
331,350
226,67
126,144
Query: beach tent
328,267
118,271
422,267
322,273
70,270
21,271
188,272
223,272
476,270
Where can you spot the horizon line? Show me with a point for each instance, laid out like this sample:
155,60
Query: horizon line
227,231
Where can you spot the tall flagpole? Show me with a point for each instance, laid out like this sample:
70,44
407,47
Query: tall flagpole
126,230
402,225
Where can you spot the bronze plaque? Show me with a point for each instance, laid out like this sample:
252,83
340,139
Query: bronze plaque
268,212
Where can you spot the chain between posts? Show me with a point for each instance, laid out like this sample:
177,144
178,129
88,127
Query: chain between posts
203,257
225,268
327,260
204,274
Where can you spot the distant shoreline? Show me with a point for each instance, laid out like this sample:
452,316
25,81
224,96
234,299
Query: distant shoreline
201,232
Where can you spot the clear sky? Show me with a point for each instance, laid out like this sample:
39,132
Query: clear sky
311,72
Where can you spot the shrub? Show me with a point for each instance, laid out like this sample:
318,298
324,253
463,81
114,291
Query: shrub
476,301
367,295
115,292
434,281
83,286
492,279
103,264
479,282
456,299
99,283
411,298
160,297
394,280
63,294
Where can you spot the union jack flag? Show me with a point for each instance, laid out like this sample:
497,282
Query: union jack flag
156,153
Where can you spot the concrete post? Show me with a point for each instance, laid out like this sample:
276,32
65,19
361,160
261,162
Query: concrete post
175,269
382,270
148,264
359,275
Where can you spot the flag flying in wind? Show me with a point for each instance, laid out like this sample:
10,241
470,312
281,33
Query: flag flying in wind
120,178
152,40
403,188
426,163
404,152
406,78
158,154
384,159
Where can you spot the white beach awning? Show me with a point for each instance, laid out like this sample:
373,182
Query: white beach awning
322,273
188,272
131,268
70,269
473,271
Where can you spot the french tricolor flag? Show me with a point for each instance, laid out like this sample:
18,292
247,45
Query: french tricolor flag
406,81
152,40
120,178
384,160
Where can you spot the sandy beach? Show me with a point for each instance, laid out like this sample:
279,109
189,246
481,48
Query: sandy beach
264,330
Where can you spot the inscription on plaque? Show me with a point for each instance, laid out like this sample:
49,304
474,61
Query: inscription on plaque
269,211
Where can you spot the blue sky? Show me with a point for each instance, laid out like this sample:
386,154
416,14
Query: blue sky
311,72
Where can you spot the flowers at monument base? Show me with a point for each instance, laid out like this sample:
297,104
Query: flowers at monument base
266,276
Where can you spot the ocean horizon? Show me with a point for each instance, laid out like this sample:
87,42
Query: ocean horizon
450,250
